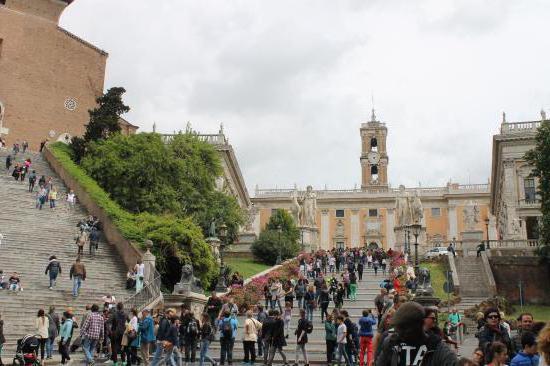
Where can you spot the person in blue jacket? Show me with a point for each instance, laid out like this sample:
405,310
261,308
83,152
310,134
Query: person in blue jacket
365,336
147,331
527,357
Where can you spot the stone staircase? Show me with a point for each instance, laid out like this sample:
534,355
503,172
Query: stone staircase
316,348
30,236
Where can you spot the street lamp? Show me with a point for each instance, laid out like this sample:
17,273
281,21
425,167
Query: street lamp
487,230
222,235
279,256
416,231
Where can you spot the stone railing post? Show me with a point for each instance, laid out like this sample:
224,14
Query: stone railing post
149,260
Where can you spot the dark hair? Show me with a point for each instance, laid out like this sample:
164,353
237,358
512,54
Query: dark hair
528,339
489,311
95,308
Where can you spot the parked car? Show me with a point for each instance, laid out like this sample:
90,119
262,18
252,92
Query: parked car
436,252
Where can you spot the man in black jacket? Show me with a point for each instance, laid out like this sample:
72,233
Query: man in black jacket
162,334
410,344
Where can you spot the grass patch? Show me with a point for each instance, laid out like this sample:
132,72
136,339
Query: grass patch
541,313
247,267
437,274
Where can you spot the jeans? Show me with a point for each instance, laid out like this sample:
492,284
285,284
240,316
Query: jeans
226,351
88,345
309,312
365,346
158,354
342,352
53,278
77,283
49,347
205,343
249,351
302,348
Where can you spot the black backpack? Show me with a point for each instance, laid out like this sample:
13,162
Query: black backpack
227,328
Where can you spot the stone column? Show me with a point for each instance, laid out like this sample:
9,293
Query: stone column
390,224
325,230
149,261
355,239
453,222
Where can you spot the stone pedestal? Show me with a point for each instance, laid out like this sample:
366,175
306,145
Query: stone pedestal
310,237
400,241
470,241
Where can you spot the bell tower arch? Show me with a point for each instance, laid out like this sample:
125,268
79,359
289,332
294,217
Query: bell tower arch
374,157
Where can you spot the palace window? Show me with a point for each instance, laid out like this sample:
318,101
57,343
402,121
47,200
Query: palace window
436,211
530,190
340,213
373,212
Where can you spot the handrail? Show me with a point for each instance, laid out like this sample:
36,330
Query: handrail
149,294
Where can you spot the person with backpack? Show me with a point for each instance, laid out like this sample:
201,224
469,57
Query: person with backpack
228,326
409,344
250,336
304,328
191,337
206,337
54,268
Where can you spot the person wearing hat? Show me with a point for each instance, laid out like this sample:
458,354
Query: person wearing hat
410,345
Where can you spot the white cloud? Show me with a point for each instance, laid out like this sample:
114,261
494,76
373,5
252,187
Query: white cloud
292,80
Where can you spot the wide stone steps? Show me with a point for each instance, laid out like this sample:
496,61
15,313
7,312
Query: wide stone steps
30,237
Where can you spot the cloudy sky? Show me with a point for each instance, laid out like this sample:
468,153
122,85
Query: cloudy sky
293,80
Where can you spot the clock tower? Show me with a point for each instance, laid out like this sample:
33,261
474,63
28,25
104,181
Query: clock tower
374,157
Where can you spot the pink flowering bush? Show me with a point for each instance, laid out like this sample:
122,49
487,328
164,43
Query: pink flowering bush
252,293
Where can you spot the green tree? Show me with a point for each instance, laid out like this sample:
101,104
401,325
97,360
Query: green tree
273,241
539,157
103,121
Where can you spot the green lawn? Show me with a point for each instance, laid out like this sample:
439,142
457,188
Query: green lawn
245,266
540,312
437,274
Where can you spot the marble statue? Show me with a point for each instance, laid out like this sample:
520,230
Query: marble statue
188,282
471,216
417,211
309,208
403,208
295,208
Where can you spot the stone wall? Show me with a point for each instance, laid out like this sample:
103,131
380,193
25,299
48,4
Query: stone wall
127,250
534,276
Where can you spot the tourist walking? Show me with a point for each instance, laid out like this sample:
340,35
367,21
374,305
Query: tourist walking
147,332
304,328
41,325
54,269
162,334
66,334
2,339
53,331
206,336
77,274
330,338
277,338
92,331
228,326
250,336
365,337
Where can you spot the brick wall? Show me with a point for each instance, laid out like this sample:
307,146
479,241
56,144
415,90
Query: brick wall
534,276
41,66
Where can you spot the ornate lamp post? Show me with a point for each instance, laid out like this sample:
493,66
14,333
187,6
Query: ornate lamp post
487,230
279,256
416,232
221,285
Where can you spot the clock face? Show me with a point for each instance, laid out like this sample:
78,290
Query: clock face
373,157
